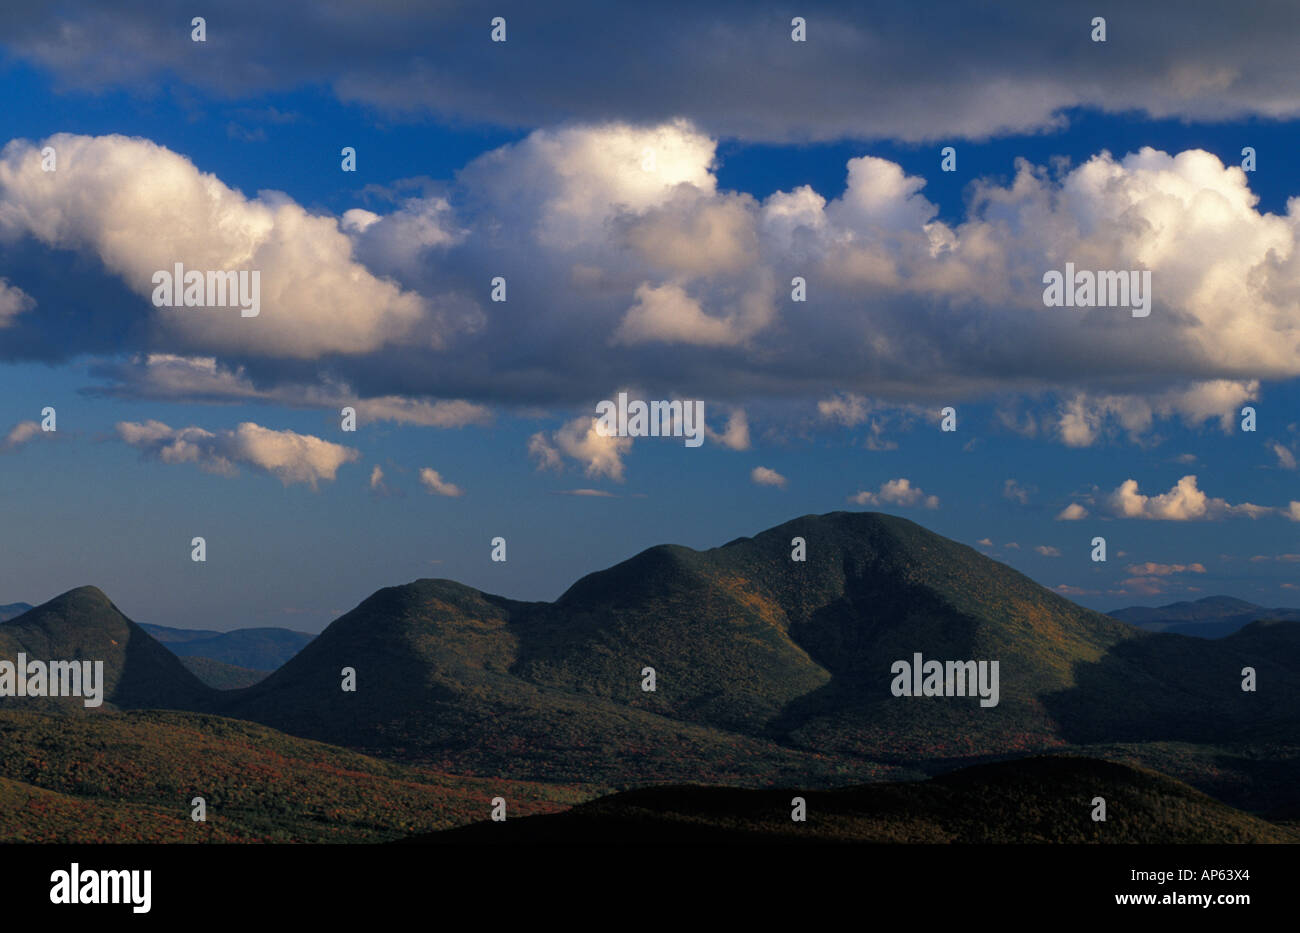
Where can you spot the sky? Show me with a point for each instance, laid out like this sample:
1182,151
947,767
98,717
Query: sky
648,183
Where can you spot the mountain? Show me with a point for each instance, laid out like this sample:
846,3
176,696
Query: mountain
1032,800
82,624
1211,617
768,672
769,669
13,609
260,649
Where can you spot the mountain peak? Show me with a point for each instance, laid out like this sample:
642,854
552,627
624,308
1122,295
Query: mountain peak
84,624
84,597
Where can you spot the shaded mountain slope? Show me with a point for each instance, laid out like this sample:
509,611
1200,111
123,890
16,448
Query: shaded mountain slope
434,679
764,666
82,624
1033,800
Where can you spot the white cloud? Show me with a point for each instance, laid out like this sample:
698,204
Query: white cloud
896,492
581,440
846,408
378,487
763,476
141,208
1144,586
19,435
667,314
1072,513
1285,458
286,455
434,482
1017,493
1067,590
1150,569
736,434
1048,551
691,283
1084,418
1184,502
13,302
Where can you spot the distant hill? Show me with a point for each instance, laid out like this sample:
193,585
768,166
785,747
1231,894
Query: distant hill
768,672
768,668
130,777
260,649
83,624
221,676
1211,617
13,609
1032,800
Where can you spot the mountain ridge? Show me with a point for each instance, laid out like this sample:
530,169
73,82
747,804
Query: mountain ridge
769,669
1208,617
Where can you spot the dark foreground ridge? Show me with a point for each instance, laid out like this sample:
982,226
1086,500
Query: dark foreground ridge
1034,800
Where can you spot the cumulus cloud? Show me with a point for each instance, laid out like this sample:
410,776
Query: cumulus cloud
1066,589
896,492
627,263
379,487
1083,418
1014,491
667,314
845,408
19,435
736,434
1072,513
1184,502
1150,569
1285,458
433,481
141,208
763,476
850,410
1048,551
581,440
286,455
1144,586
13,302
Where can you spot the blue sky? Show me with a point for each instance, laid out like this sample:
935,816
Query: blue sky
839,396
